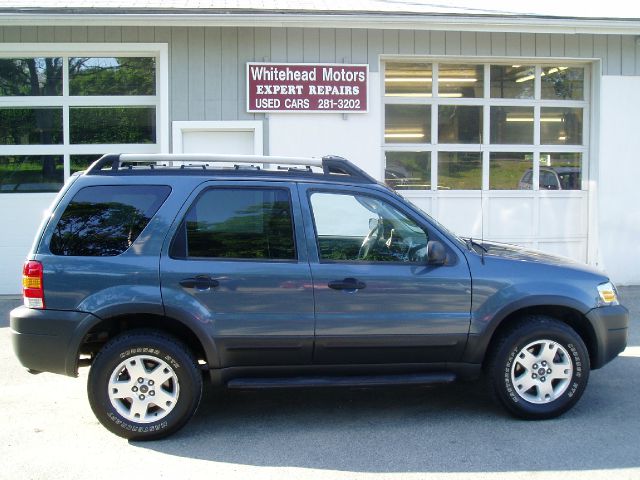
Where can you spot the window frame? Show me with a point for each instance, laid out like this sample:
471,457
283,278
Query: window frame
181,231
486,102
430,232
65,101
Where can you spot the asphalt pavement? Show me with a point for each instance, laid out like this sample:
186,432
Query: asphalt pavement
48,431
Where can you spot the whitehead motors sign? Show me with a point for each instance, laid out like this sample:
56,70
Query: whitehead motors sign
307,87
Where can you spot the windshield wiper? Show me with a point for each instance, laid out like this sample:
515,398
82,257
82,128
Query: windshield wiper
471,242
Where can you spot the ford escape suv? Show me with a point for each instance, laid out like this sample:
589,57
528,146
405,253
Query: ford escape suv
159,271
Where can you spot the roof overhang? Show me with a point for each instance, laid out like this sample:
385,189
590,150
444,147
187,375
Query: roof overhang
364,20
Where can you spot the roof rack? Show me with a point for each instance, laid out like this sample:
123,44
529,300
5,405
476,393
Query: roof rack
330,164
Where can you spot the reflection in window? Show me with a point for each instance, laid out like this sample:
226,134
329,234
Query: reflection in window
562,83
31,173
560,171
408,80
460,170
459,124
561,126
112,76
408,170
512,125
105,221
461,81
407,124
512,81
510,171
363,228
521,113
243,224
31,126
30,77
82,162
112,125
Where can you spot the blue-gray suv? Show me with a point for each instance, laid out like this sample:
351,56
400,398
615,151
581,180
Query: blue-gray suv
259,272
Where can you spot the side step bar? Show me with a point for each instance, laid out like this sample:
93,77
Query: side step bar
345,381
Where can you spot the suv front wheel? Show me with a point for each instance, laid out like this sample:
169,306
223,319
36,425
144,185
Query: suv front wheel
144,385
539,368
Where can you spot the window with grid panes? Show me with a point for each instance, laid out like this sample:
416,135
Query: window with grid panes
59,113
472,126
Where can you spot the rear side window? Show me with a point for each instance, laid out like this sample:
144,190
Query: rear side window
249,223
104,221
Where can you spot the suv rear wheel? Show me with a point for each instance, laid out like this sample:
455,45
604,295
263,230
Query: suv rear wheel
144,385
539,368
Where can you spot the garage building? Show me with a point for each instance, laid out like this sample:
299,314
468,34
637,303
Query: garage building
506,125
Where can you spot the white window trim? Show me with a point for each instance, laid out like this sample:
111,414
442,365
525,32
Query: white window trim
486,102
161,100
180,127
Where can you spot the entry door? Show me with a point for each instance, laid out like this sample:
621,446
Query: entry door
377,301
236,267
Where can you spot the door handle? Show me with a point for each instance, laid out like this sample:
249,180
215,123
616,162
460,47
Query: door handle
201,282
347,284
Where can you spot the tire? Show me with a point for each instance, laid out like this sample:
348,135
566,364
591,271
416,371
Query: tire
144,385
539,368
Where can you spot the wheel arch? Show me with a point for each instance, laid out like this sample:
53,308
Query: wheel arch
486,329
568,315
101,330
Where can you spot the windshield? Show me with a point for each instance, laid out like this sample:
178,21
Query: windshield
440,226
570,180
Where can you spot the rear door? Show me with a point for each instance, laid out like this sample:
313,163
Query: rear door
377,301
238,266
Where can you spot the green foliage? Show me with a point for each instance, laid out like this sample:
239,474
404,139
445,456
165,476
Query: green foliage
30,76
505,174
97,229
30,126
112,76
460,171
112,125
31,173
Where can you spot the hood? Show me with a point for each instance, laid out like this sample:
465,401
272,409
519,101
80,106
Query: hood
515,252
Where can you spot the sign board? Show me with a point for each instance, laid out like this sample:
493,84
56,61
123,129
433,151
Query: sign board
307,87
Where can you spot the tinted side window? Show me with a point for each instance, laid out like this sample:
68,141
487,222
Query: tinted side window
363,228
106,220
250,223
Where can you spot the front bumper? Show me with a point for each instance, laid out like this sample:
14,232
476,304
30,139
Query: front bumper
611,325
48,340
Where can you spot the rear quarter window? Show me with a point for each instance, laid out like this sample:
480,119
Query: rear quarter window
104,221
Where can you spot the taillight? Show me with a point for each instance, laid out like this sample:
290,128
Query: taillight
32,288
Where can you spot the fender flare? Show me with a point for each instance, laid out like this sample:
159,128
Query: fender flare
482,331
191,323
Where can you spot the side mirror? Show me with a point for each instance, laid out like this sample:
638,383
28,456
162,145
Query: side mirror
436,253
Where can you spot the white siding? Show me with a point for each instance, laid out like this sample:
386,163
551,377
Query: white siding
618,197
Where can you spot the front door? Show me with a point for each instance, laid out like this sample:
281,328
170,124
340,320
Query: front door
377,300
237,266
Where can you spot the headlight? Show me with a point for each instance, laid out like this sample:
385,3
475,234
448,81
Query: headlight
608,294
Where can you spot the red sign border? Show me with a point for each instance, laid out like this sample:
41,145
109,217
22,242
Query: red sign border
357,112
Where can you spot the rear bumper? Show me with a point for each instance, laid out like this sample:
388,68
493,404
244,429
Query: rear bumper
611,325
48,340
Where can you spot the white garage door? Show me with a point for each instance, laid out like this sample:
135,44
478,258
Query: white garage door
496,150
